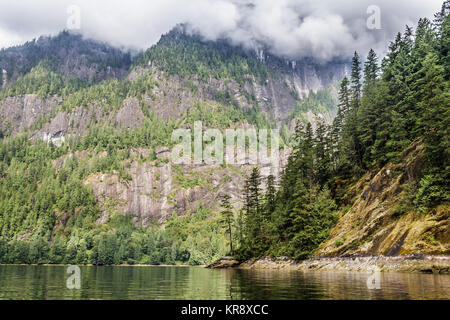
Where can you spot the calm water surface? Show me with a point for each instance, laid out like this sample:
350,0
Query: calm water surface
136,282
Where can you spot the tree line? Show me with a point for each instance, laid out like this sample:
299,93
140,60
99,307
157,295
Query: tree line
383,109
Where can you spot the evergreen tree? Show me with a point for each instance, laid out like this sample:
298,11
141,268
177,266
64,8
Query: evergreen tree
269,198
434,105
254,215
323,164
369,111
355,82
371,69
227,218
350,149
336,132
344,97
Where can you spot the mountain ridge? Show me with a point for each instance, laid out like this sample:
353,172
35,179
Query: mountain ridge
86,177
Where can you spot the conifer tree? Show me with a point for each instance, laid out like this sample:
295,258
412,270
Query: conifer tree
227,218
355,82
442,28
350,149
434,105
336,131
370,107
253,212
307,155
344,96
322,156
371,69
270,197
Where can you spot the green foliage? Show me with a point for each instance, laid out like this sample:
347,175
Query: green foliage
199,235
48,215
43,82
407,102
322,102
338,243
183,55
431,192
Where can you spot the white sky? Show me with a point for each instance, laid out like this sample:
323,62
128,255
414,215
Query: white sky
325,29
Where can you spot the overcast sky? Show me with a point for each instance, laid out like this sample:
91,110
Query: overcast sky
289,28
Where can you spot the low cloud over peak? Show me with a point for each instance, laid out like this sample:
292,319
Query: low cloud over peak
291,29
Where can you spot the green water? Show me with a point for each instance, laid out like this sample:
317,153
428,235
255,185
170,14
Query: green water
137,282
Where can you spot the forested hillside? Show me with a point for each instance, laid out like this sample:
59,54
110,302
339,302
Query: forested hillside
84,172
85,137
83,61
381,168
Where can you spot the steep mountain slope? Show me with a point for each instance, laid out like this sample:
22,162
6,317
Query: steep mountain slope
85,142
201,71
376,180
379,221
68,54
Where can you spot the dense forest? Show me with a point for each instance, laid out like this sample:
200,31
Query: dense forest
68,54
384,107
186,55
47,214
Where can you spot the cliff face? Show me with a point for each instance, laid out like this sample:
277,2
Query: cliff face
376,223
20,113
154,189
169,99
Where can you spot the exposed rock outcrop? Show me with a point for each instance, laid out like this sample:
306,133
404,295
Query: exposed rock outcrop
377,224
438,264
155,191
222,263
21,112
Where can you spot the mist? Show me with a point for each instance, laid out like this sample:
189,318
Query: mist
291,29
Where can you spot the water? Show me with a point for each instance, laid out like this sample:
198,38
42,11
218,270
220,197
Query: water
138,282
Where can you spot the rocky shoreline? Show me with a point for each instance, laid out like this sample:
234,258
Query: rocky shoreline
415,263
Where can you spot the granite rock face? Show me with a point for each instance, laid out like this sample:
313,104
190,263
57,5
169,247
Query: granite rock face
376,224
153,190
21,112
156,191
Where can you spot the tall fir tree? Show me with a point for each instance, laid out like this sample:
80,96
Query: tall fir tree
355,82
322,156
336,131
350,149
442,29
270,195
371,69
370,108
227,218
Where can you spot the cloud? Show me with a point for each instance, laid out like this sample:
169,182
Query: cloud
325,30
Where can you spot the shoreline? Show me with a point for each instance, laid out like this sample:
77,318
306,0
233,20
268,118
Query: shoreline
95,265
416,263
